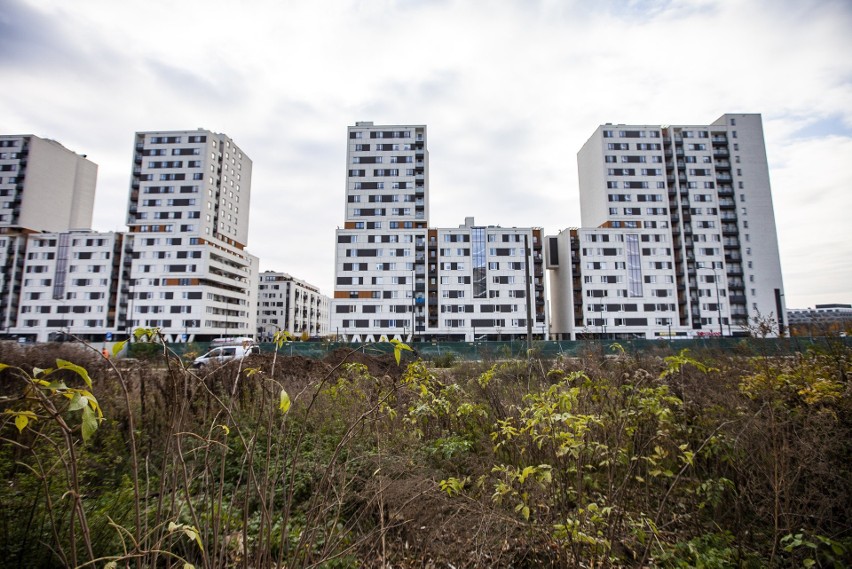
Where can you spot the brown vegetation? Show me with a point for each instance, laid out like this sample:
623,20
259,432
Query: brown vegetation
603,460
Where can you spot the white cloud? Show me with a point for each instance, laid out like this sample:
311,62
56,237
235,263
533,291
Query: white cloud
509,89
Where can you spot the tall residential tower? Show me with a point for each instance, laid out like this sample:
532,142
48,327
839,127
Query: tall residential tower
188,213
686,240
43,187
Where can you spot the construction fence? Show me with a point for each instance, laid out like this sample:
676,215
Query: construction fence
518,349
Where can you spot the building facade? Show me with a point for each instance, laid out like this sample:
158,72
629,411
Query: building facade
287,303
72,284
188,215
612,283
700,195
397,277
821,320
43,187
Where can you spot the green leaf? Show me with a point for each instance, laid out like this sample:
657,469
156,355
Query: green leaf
148,334
77,402
118,347
22,418
3,366
284,402
526,472
192,533
280,337
21,422
397,349
79,370
90,423
111,565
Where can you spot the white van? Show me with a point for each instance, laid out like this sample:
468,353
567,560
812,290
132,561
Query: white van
223,354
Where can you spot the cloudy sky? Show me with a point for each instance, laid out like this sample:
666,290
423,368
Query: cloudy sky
509,91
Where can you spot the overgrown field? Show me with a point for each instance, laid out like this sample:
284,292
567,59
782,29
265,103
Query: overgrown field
606,460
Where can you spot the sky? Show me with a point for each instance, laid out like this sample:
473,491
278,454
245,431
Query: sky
509,90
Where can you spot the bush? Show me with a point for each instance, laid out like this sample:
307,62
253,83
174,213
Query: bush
445,360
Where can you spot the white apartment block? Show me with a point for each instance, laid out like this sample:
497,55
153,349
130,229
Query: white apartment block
485,282
395,277
381,250
702,193
287,303
43,187
188,213
482,282
613,283
72,283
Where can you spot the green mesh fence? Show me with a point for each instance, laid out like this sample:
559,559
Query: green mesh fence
473,351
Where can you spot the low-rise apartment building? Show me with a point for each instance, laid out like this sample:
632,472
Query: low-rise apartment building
287,303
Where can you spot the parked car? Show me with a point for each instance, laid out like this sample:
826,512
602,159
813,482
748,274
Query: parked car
222,354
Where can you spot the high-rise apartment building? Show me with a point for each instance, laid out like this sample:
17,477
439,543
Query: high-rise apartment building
43,187
188,214
287,303
690,244
397,277
381,250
